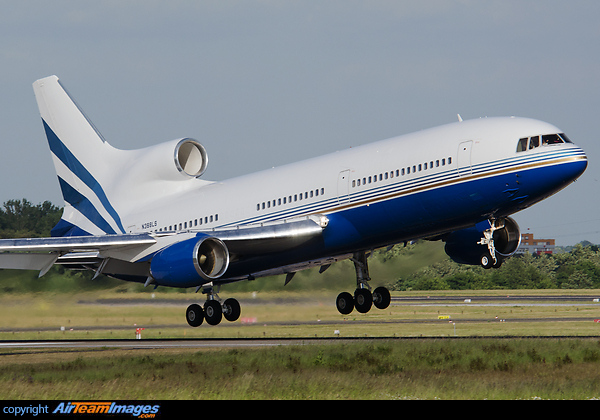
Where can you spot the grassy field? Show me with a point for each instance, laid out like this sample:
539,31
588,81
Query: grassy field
435,367
394,369
110,315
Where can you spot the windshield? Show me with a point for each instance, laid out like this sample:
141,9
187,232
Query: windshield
528,143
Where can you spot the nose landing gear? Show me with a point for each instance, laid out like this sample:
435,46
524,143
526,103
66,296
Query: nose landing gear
363,299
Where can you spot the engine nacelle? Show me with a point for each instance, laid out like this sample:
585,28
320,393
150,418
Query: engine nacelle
463,248
191,262
172,160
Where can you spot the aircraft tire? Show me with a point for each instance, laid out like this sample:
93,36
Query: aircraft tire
231,309
194,315
213,313
344,303
381,298
363,300
487,261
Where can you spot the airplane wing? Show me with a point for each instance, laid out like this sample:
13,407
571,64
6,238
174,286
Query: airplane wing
41,253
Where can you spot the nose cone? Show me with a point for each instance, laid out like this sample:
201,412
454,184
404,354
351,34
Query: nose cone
580,162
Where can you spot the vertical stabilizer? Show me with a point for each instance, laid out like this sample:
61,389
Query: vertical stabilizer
82,161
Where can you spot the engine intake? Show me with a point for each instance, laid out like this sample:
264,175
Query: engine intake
191,262
463,248
190,157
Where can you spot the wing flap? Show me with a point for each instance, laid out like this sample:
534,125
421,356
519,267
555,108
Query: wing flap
41,253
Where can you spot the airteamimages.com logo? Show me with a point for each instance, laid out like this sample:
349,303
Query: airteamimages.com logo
91,408
142,411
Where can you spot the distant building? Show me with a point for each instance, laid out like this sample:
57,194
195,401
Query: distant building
536,246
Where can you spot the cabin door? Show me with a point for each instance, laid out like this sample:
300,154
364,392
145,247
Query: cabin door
343,187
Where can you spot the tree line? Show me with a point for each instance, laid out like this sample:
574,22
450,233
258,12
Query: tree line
22,219
577,269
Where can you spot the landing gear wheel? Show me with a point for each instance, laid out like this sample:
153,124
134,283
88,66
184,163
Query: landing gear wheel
381,298
194,315
498,262
344,303
213,312
487,261
363,300
231,309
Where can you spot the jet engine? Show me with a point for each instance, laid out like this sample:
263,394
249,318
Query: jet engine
191,262
464,246
172,160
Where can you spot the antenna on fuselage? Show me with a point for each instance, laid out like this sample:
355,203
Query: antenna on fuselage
459,118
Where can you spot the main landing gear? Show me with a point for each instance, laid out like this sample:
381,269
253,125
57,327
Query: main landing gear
213,311
363,299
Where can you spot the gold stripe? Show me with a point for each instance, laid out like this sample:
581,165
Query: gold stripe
458,180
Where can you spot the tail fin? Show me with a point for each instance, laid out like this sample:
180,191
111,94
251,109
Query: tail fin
81,158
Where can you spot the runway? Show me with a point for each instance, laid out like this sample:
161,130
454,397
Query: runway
205,343
199,343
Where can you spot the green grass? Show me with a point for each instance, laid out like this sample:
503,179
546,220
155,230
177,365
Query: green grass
295,314
438,367
394,369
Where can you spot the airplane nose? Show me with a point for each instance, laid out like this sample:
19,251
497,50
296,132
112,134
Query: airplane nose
581,162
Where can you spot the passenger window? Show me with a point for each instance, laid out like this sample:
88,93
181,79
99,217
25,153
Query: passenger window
449,160
534,142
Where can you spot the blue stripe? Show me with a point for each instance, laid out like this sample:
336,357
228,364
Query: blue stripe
84,206
405,185
64,154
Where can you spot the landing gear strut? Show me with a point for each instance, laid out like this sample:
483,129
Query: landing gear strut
363,298
490,258
213,311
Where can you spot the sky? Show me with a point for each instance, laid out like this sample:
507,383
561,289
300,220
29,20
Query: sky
268,82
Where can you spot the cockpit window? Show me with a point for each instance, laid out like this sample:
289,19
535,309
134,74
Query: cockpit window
565,138
534,142
551,139
528,143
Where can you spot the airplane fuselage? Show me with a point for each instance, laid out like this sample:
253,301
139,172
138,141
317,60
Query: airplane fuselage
418,185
